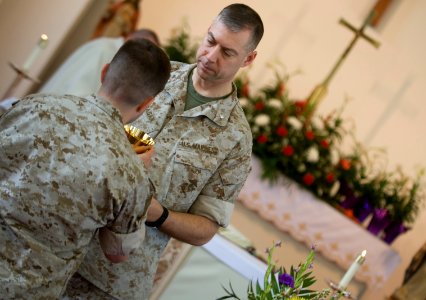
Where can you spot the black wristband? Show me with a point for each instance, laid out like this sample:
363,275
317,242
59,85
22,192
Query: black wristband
160,220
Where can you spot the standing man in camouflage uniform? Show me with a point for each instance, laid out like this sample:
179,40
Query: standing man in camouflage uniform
67,170
202,154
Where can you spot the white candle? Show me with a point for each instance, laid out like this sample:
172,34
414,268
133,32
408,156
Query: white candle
350,273
42,43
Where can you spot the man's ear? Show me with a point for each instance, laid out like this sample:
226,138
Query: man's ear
249,59
141,107
104,71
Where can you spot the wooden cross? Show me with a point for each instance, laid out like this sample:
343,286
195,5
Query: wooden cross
321,90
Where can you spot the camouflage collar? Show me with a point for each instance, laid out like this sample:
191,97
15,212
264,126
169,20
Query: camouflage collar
217,111
106,106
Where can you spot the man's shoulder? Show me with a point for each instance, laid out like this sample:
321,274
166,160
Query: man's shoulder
239,118
180,67
48,99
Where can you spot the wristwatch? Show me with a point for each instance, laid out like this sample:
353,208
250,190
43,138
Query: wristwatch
157,223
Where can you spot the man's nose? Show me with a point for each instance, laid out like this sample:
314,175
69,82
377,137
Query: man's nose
213,53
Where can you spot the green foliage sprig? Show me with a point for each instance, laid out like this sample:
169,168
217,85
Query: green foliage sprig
283,285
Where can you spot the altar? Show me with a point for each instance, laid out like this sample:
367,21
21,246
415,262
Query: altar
297,212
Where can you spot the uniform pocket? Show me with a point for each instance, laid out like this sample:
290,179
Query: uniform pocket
191,171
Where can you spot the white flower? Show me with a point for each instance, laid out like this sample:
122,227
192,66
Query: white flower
301,168
244,102
335,188
317,122
262,120
295,123
275,103
334,157
312,154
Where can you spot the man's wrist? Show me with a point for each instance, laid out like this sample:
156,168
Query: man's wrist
157,223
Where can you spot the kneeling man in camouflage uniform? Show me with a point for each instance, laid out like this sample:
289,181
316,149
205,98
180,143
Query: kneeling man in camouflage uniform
67,172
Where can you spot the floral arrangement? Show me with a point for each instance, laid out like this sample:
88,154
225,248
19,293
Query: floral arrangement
282,285
180,46
290,139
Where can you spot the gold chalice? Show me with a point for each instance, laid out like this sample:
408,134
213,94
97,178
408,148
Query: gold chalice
135,135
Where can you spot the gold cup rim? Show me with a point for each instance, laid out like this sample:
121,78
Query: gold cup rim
139,135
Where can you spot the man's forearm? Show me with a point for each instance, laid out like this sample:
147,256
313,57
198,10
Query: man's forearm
188,228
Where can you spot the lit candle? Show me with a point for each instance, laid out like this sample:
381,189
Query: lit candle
42,43
350,273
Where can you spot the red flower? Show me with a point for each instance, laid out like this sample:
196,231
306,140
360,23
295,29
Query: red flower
309,135
325,144
282,131
288,150
308,179
329,177
345,164
262,139
259,106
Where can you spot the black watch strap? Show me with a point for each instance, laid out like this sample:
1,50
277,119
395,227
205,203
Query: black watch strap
160,220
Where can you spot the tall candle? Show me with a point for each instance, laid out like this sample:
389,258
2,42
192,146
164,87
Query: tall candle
350,273
42,43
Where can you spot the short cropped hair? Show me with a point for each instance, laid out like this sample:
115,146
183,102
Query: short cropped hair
139,70
237,17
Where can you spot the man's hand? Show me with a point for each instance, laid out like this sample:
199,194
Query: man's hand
144,152
141,148
111,247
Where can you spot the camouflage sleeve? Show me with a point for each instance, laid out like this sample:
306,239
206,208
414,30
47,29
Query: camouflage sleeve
216,200
120,244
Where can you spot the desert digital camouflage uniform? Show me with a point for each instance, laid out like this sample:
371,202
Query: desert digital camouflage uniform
202,159
66,169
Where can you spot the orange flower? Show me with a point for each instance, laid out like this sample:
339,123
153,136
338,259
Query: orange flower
349,213
345,164
281,89
245,90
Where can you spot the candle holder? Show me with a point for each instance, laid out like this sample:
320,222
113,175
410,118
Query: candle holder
338,292
21,74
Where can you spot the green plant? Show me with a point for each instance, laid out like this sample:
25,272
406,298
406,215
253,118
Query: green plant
180,46
283,285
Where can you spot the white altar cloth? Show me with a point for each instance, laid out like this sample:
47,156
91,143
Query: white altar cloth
307,219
